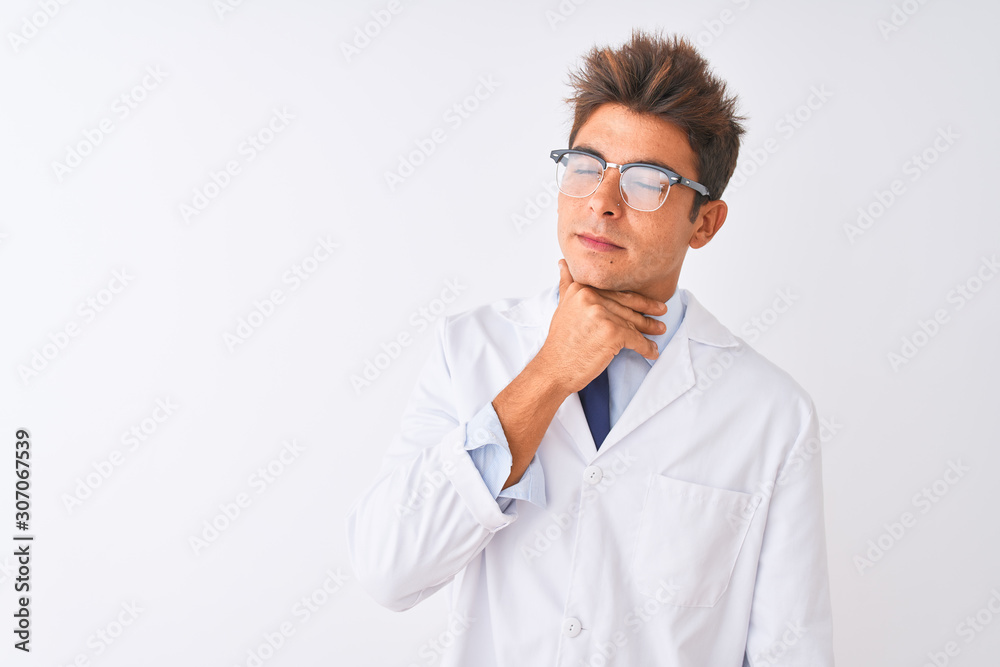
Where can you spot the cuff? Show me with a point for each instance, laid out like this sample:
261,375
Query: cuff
487,446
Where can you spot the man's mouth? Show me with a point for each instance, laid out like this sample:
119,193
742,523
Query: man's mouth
600,243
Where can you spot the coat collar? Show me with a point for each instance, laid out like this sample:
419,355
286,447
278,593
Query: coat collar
671,376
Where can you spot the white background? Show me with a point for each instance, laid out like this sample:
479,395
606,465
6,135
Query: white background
162,335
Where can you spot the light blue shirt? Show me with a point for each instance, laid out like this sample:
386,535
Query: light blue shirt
487,444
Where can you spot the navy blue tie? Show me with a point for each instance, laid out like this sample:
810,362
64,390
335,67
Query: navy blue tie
596,401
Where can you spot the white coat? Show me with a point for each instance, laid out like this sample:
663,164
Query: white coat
694,536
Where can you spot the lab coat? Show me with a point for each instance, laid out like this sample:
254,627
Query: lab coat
693,537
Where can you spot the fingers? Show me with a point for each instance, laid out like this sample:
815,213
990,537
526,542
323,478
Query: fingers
634,301
634,340
643,346
640,322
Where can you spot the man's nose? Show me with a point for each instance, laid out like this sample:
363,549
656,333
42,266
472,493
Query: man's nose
607,199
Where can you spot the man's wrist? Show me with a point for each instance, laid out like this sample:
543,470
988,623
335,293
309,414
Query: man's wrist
545,382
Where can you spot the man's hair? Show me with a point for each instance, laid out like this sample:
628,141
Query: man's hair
667,78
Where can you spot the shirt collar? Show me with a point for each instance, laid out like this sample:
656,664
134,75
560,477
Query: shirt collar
672,318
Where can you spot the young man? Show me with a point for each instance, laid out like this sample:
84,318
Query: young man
603,472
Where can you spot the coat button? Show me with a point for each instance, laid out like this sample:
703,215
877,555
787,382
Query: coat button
571,626
593,474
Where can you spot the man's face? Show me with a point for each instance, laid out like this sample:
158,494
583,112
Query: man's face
647,247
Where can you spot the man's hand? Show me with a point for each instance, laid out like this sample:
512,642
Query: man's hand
590,326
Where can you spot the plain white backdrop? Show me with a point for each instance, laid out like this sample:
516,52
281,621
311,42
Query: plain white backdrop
215,293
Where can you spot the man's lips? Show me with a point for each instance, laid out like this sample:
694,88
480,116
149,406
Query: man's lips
596,242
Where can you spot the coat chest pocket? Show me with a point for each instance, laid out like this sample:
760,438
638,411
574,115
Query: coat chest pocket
688,540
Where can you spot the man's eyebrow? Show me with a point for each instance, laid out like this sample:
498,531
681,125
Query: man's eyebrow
591,149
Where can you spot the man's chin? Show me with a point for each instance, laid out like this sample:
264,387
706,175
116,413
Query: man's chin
598,277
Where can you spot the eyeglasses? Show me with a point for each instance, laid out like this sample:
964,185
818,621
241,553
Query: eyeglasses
644,187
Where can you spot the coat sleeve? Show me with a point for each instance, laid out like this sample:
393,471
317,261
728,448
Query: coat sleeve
429,511
790,619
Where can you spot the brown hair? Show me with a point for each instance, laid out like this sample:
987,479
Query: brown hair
667,78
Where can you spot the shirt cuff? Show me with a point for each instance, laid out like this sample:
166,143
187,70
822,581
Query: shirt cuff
530,487
487,446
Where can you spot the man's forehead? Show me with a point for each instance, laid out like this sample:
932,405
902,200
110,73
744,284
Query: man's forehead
672,165
620,135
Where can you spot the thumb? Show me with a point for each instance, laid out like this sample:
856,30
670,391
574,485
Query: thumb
565,279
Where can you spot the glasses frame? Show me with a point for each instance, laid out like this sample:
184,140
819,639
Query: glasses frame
672,177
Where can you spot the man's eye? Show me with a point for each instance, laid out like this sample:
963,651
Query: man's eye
652,187
647,181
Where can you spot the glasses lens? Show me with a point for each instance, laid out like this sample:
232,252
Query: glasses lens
578,175
644,189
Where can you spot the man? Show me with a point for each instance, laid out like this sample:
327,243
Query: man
603,473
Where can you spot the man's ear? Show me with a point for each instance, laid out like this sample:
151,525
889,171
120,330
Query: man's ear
709,221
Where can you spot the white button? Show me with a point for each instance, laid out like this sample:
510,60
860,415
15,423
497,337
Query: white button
571,626
593,474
